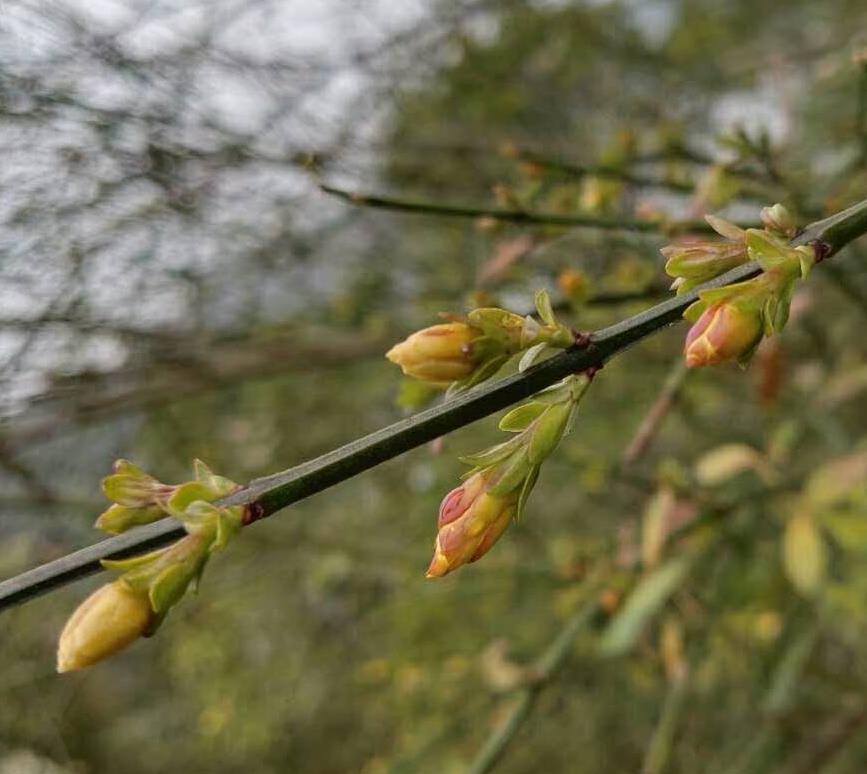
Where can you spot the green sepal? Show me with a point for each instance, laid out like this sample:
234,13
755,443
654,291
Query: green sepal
776,308
168,587
724,228
548,431
130,486
219,485
531,356
499,324
200,515
228,524
493,455
134,562
529,483
513,473
544,308
806,258
770,252
154,624
520,418
117,519
483,372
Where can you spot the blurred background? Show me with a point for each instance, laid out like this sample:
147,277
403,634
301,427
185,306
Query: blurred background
174,284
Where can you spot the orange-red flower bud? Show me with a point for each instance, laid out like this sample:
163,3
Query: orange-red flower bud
724,331
440,354
471,520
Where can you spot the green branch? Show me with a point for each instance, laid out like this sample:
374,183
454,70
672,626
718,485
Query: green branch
264,496
515,216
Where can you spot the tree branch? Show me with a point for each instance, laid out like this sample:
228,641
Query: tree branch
265,496
514,216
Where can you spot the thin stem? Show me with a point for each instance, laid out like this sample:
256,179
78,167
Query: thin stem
264,496
546,668
652,421
513,216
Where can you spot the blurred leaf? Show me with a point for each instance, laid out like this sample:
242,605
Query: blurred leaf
805,556
647,599
727,461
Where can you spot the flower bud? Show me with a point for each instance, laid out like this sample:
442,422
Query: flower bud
471,520
131,487
725,331
440,354
107,621
779,220
702,260
119,518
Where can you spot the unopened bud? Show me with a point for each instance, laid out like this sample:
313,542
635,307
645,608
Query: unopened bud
130,486
725,331
703,260
119,518
111,618
440,354
779,220
471,520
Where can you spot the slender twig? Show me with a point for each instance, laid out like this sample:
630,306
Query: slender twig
264,496
546,668
658,752
655,415
630,178
514,216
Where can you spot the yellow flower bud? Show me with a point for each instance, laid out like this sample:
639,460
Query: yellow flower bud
724,331
470,521
111,618
440,354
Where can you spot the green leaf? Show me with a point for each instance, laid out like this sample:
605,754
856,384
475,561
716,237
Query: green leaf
520,418
531,356
548,431
187,494
513,473
648,598
119,518
544,308
770,252
724,228
134,562
529,483
493,455
168,587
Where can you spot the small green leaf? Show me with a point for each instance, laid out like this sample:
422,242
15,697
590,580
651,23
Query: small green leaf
492,456
520,418
133,562
514,471
168,587
548,431
187,494
544,308
724,228
531,356
769,251
529,483
119,518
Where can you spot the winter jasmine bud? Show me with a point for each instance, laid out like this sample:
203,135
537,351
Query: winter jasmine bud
725,331
109,620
